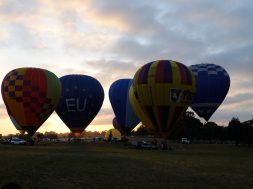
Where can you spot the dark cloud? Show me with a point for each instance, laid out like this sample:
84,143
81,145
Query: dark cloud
167,46
237,59
239,98
189,32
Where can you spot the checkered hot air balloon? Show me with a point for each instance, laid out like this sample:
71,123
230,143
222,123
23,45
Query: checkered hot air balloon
30,95
212,87
161,92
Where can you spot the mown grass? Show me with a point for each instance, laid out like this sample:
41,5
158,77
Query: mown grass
105,165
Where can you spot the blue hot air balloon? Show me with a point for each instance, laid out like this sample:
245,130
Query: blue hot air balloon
81,100
119,98
212,87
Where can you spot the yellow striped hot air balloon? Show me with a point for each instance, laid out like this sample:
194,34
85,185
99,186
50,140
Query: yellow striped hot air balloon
161,92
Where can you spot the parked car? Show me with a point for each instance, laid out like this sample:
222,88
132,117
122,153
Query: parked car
6,141
116,139
144,145
17,141
185,141
97,139
149,145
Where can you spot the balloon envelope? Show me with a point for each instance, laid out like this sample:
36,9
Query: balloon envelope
161,91
119,98
116,125
30,95
81,100
16,125
212,87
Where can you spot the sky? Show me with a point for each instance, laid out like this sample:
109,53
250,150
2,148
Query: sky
111,39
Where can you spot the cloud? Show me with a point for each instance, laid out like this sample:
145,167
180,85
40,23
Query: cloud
125,16
104,117
79,33
3,35
188,32
107,71
21,37
223,117
17,7
237,59
3,112
167,46
110,40
239,98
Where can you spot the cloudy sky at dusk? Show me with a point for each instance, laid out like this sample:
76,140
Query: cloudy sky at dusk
111,39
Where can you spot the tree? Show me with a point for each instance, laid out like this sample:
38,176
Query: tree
234,131
51,135
247,134
188,126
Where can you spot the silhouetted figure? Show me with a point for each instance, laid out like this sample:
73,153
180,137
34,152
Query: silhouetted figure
110,136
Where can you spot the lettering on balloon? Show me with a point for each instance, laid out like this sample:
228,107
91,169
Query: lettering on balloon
187,96
75,104
175,95
182,96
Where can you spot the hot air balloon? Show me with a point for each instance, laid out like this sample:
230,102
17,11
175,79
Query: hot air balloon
212,87
30,95
161,91
16,125
81,100
116,125
119,98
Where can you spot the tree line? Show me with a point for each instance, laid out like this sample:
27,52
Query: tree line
241,133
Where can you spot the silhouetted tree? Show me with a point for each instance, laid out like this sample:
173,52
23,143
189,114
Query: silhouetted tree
51,135
188,126
241,133
247,133
234,130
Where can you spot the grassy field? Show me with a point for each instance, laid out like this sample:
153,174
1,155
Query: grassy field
105,165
